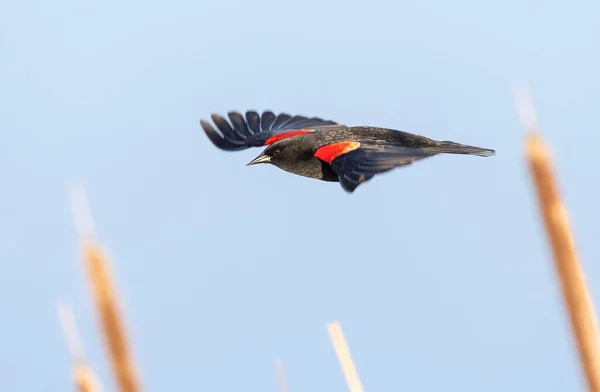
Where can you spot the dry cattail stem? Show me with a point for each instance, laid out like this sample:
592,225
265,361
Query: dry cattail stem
104,294
572,279
574,288
343,354
84,378
107,306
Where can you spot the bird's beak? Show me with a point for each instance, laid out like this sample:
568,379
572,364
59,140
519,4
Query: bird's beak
259,159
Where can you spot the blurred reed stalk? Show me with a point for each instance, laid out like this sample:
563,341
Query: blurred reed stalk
280,375
84,378
571,276
345,358
104,295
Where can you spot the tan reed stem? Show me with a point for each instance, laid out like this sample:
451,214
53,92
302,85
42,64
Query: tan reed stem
105,298
84,378
571,276
107,306
345,358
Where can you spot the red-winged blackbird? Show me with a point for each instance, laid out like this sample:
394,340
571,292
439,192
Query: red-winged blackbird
325,150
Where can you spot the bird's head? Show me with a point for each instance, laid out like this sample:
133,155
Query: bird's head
276,154
292,155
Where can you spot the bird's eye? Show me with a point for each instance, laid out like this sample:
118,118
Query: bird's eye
276,152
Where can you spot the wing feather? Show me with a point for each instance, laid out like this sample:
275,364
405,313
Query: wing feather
362,164
254,129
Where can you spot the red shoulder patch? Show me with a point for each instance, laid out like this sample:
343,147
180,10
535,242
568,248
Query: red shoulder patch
285,135
331,151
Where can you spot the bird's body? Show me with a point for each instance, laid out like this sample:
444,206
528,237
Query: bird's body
306,145
325,150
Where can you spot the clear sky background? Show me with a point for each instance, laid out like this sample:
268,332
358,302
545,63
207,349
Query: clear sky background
439,273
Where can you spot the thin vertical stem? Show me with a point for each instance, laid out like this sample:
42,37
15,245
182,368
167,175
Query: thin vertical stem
105,297
280,376
345,358
571,276
84,378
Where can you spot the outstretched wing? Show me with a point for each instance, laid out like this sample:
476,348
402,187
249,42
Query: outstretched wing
355,162
254,130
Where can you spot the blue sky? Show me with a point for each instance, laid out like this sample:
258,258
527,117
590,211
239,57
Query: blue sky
439,273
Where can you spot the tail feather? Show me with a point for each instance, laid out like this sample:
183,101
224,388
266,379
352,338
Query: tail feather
456,148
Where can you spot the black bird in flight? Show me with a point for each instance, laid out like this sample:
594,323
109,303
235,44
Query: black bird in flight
325,150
